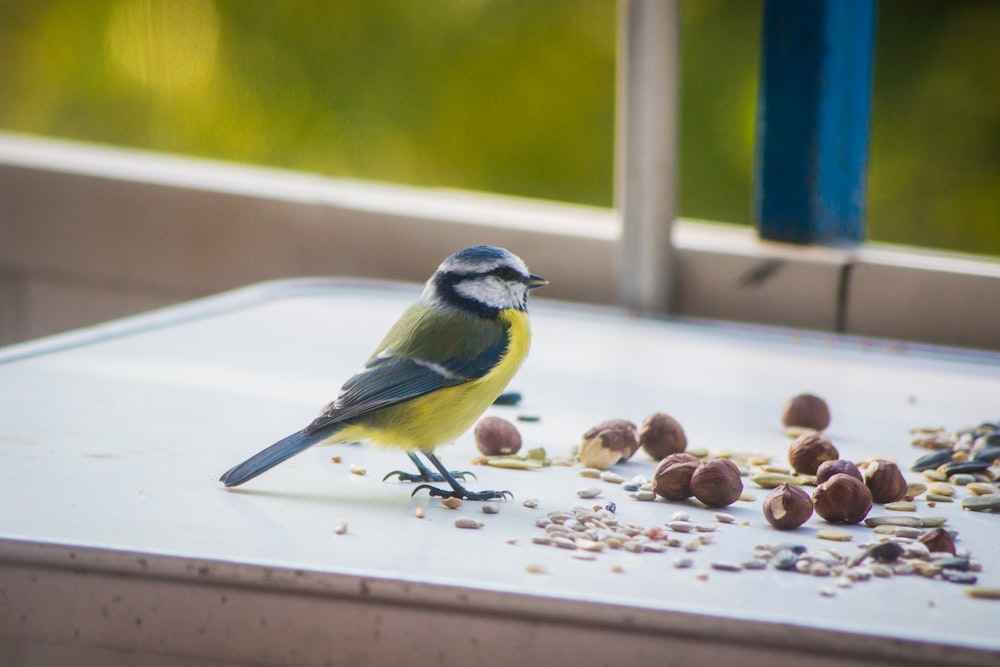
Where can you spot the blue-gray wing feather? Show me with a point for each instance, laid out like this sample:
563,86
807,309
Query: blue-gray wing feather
390,380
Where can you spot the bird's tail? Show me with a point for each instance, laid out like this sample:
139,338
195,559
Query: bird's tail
264,460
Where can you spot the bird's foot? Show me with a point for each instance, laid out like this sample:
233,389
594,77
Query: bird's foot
427,476
463,493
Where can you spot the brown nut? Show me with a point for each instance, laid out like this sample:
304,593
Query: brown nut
842,499
806,410
496,436
828,469
672,479
608,443
938,539
809,450
787,507
885,480
661,435
717,483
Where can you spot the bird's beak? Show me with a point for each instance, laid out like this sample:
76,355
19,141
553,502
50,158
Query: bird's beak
536,281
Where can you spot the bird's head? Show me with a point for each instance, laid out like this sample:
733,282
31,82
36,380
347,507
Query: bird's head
482,279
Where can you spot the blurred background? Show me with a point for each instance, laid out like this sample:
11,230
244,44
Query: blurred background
507,96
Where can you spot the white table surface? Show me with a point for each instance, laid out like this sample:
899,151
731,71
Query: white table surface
112,440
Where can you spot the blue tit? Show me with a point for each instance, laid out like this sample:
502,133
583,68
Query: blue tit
438,369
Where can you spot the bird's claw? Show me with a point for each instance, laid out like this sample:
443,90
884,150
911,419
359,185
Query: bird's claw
463,494
404,476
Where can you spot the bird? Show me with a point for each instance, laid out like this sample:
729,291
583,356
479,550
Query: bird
440,366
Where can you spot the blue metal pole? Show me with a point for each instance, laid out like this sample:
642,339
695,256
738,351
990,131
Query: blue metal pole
813,120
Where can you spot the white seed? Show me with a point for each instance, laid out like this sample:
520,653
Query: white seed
645,496
419,512
530,503
589,492
357,470
834,535
452,503
611,477
340,528
534,568
591,473
538,539
468,522
684,562
491,508
681,526
722,517
705,527
680,516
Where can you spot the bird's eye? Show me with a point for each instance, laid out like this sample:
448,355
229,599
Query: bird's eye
507,273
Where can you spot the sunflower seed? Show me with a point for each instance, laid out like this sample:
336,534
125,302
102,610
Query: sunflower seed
468,522
452,503
986,503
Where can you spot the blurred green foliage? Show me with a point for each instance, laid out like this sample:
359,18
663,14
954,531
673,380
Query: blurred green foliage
512,96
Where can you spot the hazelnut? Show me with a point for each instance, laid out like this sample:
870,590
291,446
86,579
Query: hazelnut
885,480
842,499
828,469
938,540
806,410
496,436
717,483
787,507
672,479
809,450
608,443
661,435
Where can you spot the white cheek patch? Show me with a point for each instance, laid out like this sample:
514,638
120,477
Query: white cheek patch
493,292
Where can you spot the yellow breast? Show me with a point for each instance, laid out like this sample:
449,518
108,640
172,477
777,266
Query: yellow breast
443,415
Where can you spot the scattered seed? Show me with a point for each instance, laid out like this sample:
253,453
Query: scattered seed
983,592
539,539
452,503
724,566
617,569
962,479
357,470
564,543
834,535
828,592
987,503
701,575
683,563
936,498
898,531
590,473
468,522
933,521
722,517
611,477
909,521
941,489
419,512
589,492
769,480
336,459
981,489
692,545
340,528
705,527
644,496
680,516
534,568
754,564
530,503
491,508
901,506
915,489
681,526
747,496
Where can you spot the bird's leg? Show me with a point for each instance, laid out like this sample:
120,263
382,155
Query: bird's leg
457,490
425,474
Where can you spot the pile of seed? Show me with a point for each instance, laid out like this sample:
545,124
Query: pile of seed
591,530
968,458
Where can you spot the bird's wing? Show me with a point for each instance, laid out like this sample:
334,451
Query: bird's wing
403,370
